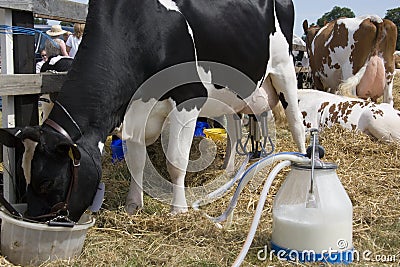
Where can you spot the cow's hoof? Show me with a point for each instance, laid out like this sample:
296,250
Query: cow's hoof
178,210
132,208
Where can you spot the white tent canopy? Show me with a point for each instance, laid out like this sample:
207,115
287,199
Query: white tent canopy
298,43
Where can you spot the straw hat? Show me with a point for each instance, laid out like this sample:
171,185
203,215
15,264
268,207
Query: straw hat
55,30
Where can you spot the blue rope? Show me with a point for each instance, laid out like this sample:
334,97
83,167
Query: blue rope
18,30
6,29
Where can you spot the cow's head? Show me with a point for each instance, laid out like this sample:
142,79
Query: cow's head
310,32
48,167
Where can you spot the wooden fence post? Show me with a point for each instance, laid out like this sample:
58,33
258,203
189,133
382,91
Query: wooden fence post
7,67
26,106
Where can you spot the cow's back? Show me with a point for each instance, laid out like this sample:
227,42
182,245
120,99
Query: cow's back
234,33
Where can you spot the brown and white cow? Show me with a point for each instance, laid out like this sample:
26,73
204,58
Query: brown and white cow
320,109
347,51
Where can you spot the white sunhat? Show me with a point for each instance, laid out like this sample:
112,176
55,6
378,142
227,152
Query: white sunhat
55,30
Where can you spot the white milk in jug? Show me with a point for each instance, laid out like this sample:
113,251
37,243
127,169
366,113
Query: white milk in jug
323,231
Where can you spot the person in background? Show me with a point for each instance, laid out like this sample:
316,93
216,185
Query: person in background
66,35
57,56
56,46
57,61
75,39
40,63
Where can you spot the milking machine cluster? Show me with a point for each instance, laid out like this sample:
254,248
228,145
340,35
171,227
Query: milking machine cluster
312,213
258,136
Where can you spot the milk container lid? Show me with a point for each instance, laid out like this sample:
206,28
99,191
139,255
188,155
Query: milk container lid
318,166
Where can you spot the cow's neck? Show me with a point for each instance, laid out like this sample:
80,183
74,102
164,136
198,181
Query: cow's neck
62,117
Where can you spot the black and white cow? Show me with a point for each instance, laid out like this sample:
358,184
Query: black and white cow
142,63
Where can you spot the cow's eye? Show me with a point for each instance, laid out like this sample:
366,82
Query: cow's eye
45,187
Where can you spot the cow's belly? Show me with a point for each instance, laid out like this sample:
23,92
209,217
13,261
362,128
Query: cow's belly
223,101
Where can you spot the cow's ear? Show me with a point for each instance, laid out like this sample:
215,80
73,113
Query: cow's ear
305,26
10,137
32,133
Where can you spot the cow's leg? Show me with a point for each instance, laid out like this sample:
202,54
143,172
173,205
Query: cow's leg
287,91
388,90
283,78
135,159
388,48
182,126
229,161
318,83
137,137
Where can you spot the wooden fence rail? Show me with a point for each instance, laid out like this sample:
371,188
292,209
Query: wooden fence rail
30,84
63,10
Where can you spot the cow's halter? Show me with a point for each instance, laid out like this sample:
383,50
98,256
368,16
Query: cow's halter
60,210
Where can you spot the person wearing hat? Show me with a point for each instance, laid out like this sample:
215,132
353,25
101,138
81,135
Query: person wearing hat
55,46
58,59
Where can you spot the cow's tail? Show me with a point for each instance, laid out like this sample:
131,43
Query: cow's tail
379,36
348,87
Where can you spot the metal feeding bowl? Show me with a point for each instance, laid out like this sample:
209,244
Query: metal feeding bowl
31,243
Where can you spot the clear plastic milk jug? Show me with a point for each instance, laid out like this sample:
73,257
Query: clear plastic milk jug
312,221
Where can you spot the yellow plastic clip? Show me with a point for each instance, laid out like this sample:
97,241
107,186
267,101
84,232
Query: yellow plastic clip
71,153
